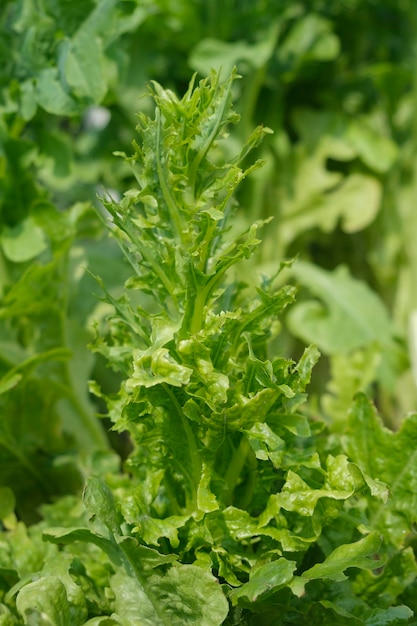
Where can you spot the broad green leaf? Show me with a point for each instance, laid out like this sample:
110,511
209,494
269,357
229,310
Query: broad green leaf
329,613
392,616
98,501
51,95
327,129
59,565
189,595
355,202
267,579
360,554
346,138
239,523
297,496
224,56
378,152
26,366
57,225
296,424
143,558
346,315
343,166
69,535
133,604
44,602
31,442
356,614
327,199
392,458
309,39
302,204
85,67
351,372
183,594
23,242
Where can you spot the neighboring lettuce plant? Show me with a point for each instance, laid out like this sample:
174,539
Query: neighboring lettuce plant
234,507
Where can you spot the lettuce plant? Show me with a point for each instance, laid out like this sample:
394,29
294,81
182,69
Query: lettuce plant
234,506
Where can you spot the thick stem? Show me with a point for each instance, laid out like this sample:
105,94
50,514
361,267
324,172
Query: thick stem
235,468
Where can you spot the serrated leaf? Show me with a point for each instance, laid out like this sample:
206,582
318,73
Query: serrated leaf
389,456
266,444
298,496
157,367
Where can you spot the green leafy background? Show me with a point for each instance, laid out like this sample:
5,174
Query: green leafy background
325,534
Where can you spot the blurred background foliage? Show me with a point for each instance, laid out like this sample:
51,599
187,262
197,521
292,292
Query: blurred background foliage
336,82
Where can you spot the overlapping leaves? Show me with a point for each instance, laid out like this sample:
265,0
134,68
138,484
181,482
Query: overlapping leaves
225,467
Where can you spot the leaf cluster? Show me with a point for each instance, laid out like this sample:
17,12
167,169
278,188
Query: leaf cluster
228,501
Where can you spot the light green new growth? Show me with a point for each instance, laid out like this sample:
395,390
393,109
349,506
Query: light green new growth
224,470
234,508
